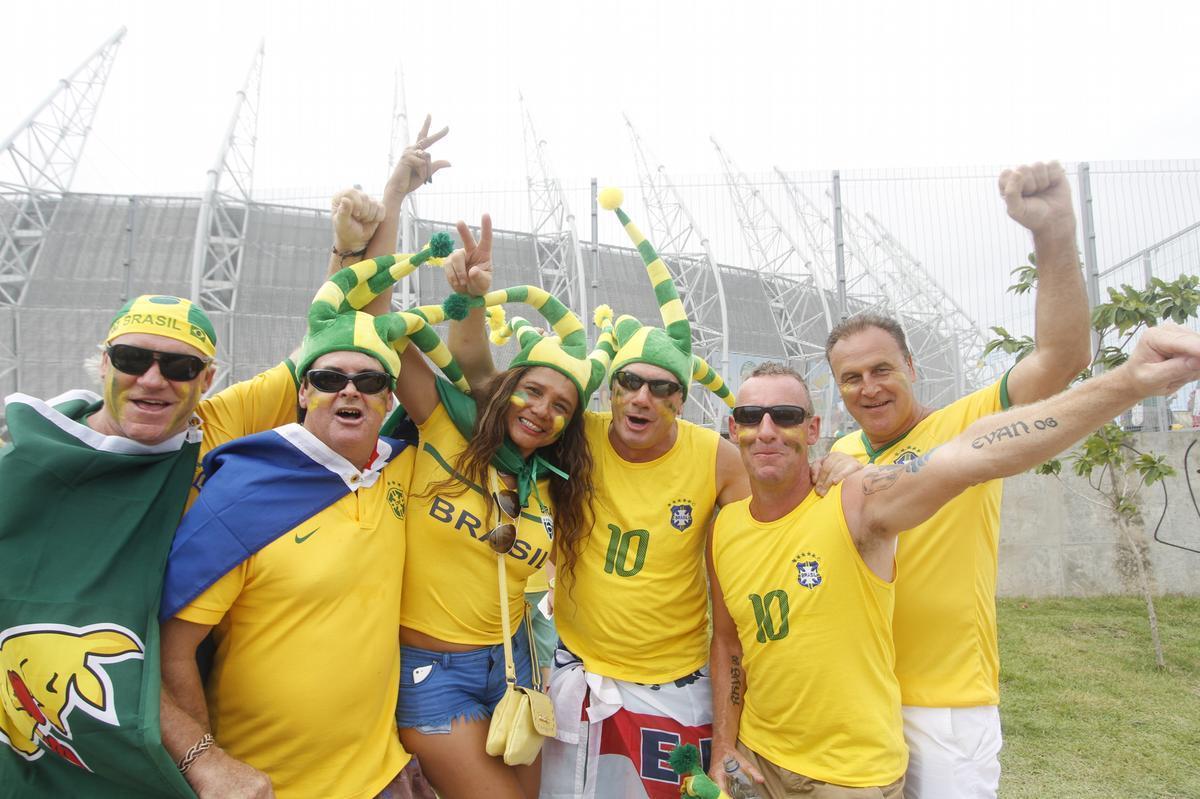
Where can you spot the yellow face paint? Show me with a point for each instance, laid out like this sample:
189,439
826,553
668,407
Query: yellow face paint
519,399
746,435
314,400
377,402
794,437
559,423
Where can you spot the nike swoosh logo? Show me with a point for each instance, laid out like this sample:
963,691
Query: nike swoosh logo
300,539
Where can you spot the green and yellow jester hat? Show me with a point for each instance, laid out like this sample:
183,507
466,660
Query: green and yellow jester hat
564,351
173,317
668,347
336,323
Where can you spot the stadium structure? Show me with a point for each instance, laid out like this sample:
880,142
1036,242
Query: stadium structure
68,260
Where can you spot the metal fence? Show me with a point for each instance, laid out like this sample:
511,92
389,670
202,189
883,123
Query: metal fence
944,231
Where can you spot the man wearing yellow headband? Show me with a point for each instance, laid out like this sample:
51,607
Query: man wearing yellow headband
93,488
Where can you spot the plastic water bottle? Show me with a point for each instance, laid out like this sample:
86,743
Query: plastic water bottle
738,783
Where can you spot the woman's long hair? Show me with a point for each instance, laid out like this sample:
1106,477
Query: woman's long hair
572,510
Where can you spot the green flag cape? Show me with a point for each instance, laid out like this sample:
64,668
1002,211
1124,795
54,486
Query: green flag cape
86,525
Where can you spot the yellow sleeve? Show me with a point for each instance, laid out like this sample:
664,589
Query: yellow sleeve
211,606
261,403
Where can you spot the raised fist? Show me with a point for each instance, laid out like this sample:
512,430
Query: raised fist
1039,198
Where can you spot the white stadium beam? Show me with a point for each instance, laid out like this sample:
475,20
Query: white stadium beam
557,253
795,292
224,216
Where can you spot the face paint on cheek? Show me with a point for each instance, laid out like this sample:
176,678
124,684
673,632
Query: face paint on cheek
559,423
376,402
793,436
519,399
187,405
746,435
314,401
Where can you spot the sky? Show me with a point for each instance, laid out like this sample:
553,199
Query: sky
803,85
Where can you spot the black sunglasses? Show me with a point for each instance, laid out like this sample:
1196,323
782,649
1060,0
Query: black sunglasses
659,388
172,365
503,536
331,382
781,415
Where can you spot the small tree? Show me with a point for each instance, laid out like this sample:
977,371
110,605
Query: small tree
1114,468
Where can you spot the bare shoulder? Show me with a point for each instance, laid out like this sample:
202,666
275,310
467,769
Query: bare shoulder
732,482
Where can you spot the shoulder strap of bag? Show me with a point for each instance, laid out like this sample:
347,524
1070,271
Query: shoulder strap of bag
510,671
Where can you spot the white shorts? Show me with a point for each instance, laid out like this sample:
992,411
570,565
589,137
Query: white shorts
953,752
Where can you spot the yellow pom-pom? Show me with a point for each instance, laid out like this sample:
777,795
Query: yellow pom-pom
501,332
603,316
611,198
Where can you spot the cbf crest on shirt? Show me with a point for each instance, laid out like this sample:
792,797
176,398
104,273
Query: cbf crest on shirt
681,514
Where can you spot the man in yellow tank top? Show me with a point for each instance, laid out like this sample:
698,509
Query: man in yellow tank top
947,659
632,613
806,701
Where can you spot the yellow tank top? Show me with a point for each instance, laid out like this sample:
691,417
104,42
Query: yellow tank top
450,572
636,605
815,627
945,621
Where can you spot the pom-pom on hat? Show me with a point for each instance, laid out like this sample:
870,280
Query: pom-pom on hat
668,347
336,323
160,315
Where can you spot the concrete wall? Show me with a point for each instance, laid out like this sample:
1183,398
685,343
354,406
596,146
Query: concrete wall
1054,543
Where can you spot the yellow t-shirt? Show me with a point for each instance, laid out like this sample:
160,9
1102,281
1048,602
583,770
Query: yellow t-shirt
318,606
537,582
261,403
945,622
814,622
635,607
450,589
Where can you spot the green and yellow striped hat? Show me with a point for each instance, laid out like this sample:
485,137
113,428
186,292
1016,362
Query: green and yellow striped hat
173,317
564,351
668,347
335,322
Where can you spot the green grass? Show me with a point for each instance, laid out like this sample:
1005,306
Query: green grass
1085,711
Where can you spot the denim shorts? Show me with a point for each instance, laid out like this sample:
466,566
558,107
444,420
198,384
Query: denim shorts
438,687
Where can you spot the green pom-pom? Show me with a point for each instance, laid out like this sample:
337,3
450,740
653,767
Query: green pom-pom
457,306
611,198
440,244
684,760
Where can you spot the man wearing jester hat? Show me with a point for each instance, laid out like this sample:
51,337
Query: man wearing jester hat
631,600
297,540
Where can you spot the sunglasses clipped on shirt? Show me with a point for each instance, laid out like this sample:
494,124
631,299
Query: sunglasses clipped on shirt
781,415
658,388
176,366
331,382
504,535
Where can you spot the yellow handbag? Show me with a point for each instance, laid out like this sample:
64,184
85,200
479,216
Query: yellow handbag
525,716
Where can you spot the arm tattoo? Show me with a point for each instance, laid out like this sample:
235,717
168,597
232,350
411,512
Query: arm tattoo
1017,428
881,478
735,680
